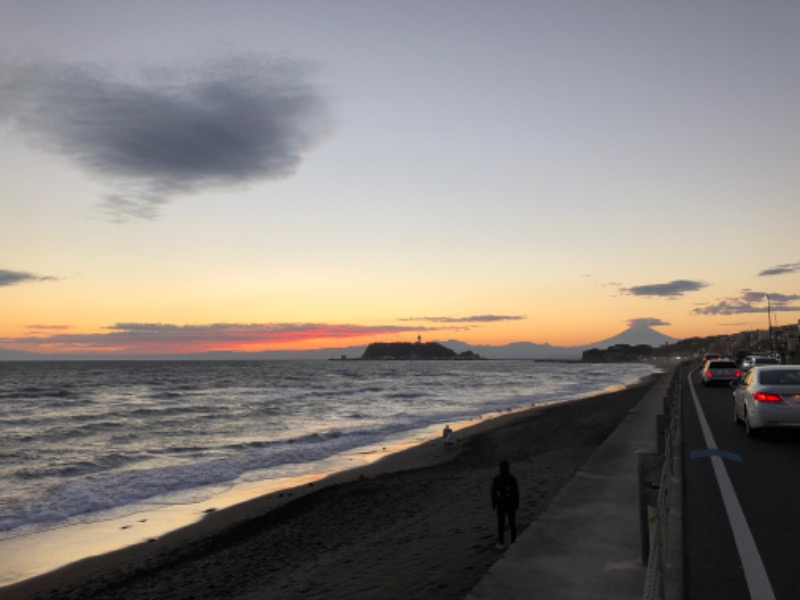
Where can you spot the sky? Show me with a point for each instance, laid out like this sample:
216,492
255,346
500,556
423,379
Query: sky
183,176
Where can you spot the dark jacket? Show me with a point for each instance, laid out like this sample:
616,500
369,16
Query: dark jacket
505,492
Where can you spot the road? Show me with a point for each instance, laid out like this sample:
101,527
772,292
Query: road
741,503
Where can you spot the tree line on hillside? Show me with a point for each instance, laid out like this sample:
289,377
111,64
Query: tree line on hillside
782,341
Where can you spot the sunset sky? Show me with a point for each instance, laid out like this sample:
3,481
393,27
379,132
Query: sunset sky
183,176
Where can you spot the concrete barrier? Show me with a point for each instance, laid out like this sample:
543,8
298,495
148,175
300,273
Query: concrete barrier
659,482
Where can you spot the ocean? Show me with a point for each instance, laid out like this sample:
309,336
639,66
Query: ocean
88,441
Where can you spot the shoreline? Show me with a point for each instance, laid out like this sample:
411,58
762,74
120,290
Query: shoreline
31,555
22,556
231,527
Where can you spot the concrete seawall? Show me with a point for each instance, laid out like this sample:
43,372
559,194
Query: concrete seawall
588,543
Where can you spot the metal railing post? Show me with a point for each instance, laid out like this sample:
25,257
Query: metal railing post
661,426
649,466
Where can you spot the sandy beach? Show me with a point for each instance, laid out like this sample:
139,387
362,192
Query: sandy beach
416,524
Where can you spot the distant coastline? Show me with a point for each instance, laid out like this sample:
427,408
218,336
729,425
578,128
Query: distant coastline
632,345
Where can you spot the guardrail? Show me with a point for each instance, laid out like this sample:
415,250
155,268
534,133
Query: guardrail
659,481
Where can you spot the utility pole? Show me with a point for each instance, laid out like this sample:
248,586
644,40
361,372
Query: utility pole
769,318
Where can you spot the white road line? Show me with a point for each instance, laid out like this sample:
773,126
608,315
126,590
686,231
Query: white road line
754,571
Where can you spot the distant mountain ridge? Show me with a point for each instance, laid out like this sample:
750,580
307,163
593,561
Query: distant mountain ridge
19,355
521,350
633,336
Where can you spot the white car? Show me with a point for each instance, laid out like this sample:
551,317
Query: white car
768,396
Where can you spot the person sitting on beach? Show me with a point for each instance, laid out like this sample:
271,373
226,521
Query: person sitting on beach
448,436
505,501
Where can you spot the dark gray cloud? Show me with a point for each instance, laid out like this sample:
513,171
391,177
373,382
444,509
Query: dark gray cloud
668,290
16,277
158,132
775,299
647,321
473,319
781,270
751,301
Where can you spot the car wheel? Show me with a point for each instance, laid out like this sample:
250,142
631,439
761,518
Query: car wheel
751,432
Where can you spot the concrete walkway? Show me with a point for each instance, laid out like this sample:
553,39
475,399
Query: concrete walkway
587,544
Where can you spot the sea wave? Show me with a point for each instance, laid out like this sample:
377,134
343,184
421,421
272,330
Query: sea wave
126,436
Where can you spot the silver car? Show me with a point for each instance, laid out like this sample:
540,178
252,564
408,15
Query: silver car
723,370
768,396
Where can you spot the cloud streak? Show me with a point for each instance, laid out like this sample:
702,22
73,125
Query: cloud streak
8,278
155,133
672,289
751,301
472,319
781,270
163,338
647,322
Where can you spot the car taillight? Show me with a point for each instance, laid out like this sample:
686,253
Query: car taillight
708,373
764,397
738,373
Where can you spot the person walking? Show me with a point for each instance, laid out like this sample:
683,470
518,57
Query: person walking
505,501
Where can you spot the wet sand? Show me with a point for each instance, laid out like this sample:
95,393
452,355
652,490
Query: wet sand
416,524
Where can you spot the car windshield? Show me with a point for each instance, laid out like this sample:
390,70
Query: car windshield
767,361
722,364
780,377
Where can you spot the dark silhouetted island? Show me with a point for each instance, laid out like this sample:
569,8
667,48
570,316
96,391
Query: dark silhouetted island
414,351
